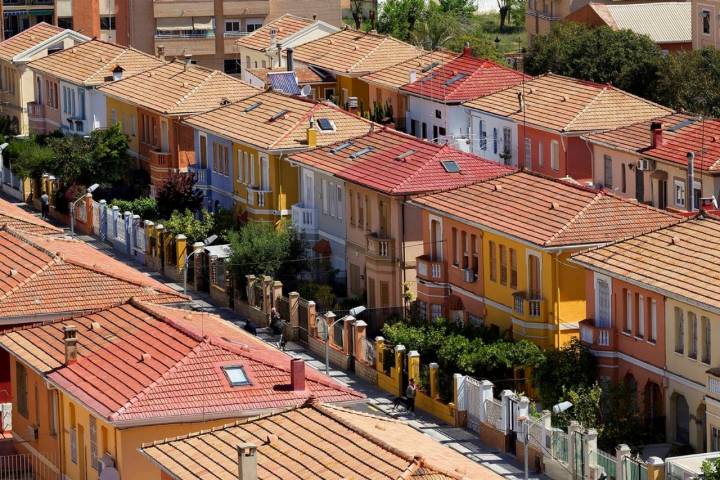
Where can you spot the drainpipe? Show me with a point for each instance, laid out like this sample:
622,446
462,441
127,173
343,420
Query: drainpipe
556,303
402,253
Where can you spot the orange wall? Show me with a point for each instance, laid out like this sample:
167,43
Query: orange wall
574,156
86,17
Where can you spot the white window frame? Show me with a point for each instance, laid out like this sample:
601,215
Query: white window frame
264,172
629,311
339,200
601,321
325,199
653,320
554,155
679,192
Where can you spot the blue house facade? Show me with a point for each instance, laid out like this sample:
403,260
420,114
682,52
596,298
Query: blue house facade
215,169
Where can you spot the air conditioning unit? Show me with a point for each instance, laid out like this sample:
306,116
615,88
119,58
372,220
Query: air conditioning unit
469,275
645,165
33,432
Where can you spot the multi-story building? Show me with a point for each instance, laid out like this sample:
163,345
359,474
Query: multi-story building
648,161
101,384
653,321
152,105
705,23
541,15
241,149
375,175
19,15
66,85
496,252
539,124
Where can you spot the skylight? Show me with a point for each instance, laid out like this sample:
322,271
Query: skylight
360,153
326,125
430,66
236,376
279,115
450,166
683,124
252,107
404,155
455,78
340,147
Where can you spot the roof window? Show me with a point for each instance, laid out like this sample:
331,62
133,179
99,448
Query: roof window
340,147
430,66
683,124
236,376
404,155
360,153
252,107
326,125
455,78
450,166
279,115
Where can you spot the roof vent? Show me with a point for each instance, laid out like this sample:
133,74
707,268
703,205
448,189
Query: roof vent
554,206
271,438
225,101
13,272
532,90
497,187
279,115
675,241
355,47
252,107
145,357
565,97
95,326
340,147
360,153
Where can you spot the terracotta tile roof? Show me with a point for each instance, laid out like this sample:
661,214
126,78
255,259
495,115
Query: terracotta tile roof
174,89
399,164
396,76
27,39
465,78
569,105
17,218
91,63
681,134
304,75
312,442
285,26
681,261
272,121
547,212
663,22
350,51
138,364
38,272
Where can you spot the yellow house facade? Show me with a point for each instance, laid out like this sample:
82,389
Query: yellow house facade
126,115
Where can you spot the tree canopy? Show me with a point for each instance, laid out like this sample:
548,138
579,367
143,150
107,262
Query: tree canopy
178,193
564,369
260,248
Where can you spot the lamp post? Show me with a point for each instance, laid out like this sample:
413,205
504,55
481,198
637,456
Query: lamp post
354,312
197,247
90,189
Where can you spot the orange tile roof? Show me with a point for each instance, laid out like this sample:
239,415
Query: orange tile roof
91,63
39,271
137,364
312,442
304,75
27,39
350,51
251,121
174,89
19,219
681,261
547,212
396,76
569,105
285,26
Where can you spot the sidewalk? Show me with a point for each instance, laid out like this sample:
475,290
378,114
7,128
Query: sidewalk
379,402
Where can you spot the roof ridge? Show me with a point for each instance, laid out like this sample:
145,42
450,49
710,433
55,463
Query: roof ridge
53,261
105,64
431,158
364,57
567,225
585,109
196,88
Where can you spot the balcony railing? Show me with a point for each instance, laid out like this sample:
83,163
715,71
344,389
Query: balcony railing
596,336
713,384
160,35
236,34
433,270
304,219
159,159
380,246
256,196
202,176
530,308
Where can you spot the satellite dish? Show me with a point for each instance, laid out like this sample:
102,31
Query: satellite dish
306,91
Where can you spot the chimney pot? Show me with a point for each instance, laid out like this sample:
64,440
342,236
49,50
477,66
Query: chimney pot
161,52
467,50
297,374
521,101
70,338
314,17
247,461
656,134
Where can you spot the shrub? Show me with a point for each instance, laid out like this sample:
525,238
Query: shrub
146,207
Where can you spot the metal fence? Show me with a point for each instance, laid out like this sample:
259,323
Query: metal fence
26,467
338,330
559,445
608,463
634,469
473,402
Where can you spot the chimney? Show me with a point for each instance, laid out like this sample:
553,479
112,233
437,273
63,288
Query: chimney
312,134
297,374
187,57
70,337
467,51
117,73
161,52
314,17
656,134
521,101
289,60
413,76
689,191
279,51
247,461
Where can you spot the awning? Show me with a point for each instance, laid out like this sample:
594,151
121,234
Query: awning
203,23
177,23
22,13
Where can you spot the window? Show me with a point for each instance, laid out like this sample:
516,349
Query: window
73,444
607,168
534,276
629,312
705,17
351,196
361,211
53,411
326,125
507,141
325,199
465,253
252,25
603,307
22,392
715,439
474,252
236,376
65,22
641,316
384,294
503,265
435,312
329,93
513,269
554,155
203,146
450,166
424,131
93,443
679,331
706,337
679,187
623,177
232,66
264,173
541,155
339,201
232,26
493,262
81,104
528,152
692,334
113,116
653,320
422,310
107,22
482,135
455,247
438,114
495,141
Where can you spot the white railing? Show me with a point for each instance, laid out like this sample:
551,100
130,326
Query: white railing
436,270
518,304
493,412
181,35
603,337
304,219
473,399
139,240
534,308
713,385
201,174
96,217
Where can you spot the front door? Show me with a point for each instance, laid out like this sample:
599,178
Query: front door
639,185
308,181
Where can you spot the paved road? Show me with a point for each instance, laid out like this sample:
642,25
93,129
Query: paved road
379,402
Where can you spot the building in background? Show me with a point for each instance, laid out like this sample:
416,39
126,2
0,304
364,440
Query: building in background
705,22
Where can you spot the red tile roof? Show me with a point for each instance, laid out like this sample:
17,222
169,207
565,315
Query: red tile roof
283,26
50,275
24,221
681,134
465,78
399,164
27,39
139,364
547,212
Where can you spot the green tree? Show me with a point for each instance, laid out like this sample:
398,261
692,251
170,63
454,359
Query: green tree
146,207
458,7
436,28
711,469
564,369
29,158
690,81
260,249
398,17
178,193
109,158
194,228
586,400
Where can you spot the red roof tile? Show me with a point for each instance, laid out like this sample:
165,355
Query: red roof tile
24,221
138,363
399,164
465,78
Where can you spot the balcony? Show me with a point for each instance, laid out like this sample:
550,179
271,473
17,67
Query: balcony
257,196
713,382
202,175
159,160
530,309
176,44
304,219
380,247
36,117
596,337
431,270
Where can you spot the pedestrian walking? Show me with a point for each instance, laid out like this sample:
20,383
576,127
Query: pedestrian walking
410,392
45,205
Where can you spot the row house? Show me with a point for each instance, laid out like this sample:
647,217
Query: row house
241,150
435,108
375,175
648,161
267,46
92,388
496,252
349,55
152,105
384,86
652,319
538,124
66,85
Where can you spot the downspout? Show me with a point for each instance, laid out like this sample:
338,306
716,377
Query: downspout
402,254
556,303
61,434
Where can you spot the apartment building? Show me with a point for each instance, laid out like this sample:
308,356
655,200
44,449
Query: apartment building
653,322
705,23
541,15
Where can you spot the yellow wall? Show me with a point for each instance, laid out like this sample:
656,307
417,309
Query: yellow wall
127,115
355,87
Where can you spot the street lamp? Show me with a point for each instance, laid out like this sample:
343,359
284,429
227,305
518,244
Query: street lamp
561,407
325,331
197,247
90,189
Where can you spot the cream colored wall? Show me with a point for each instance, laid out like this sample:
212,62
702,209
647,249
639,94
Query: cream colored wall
256,59
699,39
